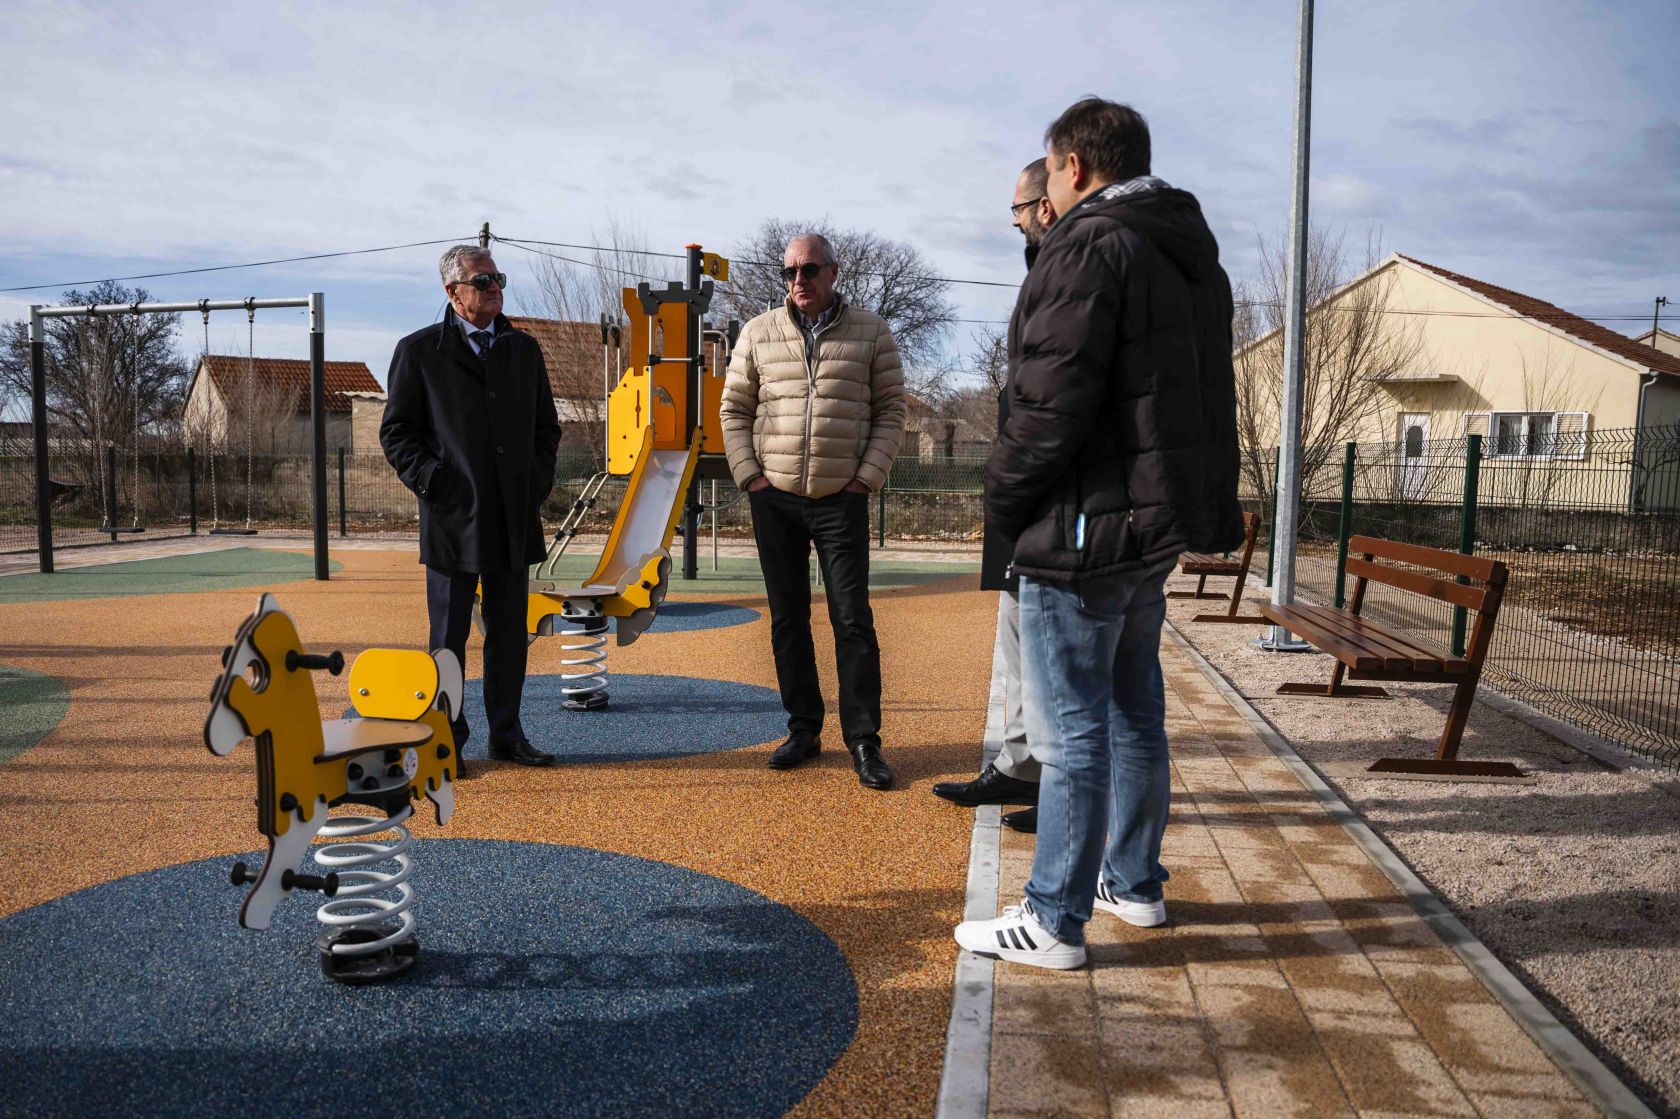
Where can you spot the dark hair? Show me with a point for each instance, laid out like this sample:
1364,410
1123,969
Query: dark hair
1112,140
1037,174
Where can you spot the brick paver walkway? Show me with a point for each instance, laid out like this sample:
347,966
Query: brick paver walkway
1292,977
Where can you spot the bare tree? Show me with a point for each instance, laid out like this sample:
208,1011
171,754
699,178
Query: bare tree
577,291
1351,346
107,376
887,277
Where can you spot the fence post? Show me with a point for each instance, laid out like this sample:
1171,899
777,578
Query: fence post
192,491
1467,530
881,516
1271,536
1346,528
343,520
111,490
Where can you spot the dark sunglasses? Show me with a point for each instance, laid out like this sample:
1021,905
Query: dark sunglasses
483,280
809,271
1015,208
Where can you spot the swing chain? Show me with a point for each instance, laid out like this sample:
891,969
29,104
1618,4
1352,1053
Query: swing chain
209,434
134,403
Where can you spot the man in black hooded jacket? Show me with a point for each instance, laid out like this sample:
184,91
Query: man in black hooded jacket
1120,452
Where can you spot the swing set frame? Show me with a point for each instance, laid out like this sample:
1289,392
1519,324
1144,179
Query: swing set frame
315,302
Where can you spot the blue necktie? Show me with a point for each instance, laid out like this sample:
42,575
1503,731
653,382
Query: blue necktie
482,339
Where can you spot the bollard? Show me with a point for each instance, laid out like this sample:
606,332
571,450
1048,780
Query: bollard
1346,528
1467,530
343,521
192,491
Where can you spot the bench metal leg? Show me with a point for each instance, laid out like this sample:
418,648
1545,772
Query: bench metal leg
1445,765
1199,592
1335,689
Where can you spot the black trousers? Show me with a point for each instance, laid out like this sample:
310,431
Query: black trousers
785,526
449,602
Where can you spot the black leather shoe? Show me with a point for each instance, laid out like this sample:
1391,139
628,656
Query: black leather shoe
1025,820
866,760
522,752
796,751
991,787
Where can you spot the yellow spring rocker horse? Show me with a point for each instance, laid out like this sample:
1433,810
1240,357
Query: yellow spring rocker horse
399,750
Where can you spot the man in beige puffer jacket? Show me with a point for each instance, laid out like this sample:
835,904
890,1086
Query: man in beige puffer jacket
813,411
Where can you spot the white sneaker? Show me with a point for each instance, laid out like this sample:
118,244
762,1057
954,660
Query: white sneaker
1019,939
1143,914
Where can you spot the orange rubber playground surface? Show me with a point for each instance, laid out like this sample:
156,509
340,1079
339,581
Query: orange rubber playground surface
124,786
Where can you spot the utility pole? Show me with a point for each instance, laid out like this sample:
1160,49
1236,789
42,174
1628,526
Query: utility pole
1294,327
484,236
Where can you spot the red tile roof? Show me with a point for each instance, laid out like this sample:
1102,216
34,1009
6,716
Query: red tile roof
572,352
227,373
1527,306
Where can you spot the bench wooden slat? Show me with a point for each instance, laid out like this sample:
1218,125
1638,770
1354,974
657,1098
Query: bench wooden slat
1395,654
1356,656
1442,590
1416,653
1474,567
1199,563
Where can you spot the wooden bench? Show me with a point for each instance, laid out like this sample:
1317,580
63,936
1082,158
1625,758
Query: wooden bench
1201,565
1367,650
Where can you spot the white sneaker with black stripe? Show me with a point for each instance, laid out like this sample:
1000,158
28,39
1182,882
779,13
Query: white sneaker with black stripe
1143,914
1019,939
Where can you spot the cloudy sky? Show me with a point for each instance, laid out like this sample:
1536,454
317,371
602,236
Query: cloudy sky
1531,143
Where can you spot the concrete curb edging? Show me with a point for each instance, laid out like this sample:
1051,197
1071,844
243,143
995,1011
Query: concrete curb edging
964,1082
1601,1086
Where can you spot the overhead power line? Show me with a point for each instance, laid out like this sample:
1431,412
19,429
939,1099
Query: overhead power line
232,267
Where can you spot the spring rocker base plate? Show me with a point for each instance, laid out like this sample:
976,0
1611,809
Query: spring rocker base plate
370,967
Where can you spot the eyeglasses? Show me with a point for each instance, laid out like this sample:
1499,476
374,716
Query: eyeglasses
1015,208
483,280
809,271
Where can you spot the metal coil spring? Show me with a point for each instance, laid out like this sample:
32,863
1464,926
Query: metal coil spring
356,906
583,657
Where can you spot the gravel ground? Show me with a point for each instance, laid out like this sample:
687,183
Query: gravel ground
1573,881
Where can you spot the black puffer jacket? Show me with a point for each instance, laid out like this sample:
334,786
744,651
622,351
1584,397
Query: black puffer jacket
1122,400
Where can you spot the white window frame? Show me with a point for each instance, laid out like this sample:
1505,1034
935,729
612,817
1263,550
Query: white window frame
1570,446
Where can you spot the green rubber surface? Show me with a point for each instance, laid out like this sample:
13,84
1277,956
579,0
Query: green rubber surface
741,576
31,705
223,570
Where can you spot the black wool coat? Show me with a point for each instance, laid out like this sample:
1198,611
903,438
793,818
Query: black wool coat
1122,402
475,441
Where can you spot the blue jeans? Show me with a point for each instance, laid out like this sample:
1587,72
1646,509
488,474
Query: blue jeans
1096,719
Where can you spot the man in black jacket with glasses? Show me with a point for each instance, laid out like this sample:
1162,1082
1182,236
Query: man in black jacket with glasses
470,427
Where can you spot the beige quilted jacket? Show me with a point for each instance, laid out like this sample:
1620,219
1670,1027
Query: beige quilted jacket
811,427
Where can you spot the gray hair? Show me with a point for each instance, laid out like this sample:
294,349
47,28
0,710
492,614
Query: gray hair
453,264
819,241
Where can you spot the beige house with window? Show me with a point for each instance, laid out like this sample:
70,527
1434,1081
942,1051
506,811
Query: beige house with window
238,403
1537,382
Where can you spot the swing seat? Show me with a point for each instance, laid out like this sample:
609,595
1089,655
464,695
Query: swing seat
125,529
233,532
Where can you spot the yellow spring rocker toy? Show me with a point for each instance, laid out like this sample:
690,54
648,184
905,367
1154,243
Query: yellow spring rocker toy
400,749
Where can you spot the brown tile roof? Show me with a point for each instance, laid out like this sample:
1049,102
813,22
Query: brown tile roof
572,352
1539,310
227,373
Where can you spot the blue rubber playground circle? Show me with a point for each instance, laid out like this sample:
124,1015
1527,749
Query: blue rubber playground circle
551,980
647,717
676,617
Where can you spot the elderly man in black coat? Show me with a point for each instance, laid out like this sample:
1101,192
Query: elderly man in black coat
470,427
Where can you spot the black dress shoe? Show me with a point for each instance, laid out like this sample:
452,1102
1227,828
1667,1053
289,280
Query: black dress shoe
866,760
522,752
1025,820
796,751
991,787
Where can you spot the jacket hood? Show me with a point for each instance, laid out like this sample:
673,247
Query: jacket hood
1171,219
